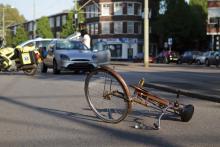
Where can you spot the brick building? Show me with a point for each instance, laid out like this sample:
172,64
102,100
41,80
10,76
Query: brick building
56,22
119,23
213,26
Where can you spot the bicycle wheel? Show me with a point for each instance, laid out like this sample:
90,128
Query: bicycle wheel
107,95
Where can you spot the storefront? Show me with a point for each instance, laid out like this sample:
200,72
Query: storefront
121,48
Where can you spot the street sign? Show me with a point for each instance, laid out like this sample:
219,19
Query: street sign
165,45
170,41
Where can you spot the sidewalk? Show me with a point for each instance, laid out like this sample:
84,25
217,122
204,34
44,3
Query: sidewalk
186,88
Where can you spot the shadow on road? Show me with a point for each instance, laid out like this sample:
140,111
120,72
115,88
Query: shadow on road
92,122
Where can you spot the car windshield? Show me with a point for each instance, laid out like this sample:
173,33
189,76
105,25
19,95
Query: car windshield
70,45
196,53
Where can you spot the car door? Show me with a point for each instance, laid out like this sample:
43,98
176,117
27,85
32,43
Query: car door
50,54
218,57
212,58
102,53
185,57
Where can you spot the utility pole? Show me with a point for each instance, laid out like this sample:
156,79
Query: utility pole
3,23
76,16
146,34
34,22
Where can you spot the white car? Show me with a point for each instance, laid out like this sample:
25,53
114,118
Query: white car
38,42
65,54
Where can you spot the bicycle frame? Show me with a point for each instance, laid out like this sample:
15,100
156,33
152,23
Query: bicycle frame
145,98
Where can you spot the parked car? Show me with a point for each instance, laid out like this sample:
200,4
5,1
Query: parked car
64,54
213,58
140,58
38,42
189,57
200,59
167,57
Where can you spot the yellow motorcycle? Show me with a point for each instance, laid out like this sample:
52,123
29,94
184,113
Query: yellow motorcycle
20,58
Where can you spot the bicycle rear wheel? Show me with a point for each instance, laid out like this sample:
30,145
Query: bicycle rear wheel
107,95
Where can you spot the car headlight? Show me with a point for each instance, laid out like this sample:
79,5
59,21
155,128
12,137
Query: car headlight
64,57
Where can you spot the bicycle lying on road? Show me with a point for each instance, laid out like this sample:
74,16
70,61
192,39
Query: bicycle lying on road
109,97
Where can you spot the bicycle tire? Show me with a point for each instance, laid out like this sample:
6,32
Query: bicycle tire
107,86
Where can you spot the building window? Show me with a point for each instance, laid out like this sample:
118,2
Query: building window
118,8
52,22
88,28
137,28
96,11
96,28
87,11
130,27
116,50
57,34
92,27
106,9
63,19
130,8
92,10
137,9
213,20
58,21
118,27
14,30
105,27
30,26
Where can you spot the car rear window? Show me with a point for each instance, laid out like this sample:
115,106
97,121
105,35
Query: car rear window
42,43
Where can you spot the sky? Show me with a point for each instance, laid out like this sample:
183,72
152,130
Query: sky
42,7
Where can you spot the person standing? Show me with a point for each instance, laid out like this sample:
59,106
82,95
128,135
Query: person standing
86,38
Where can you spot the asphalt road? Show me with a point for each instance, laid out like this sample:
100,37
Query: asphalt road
51,110
201,80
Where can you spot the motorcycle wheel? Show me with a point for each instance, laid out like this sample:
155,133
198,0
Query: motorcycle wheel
30,72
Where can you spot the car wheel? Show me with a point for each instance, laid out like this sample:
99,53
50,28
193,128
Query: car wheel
165,60
207,62
179,61
198,62
217,61
55,68
43,68
190,62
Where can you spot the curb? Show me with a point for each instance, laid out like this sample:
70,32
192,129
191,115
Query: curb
183,92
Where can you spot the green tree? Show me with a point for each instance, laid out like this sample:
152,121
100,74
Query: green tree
11,16
199,18
21,36
203,4
175,22
68,28
81,15
43,28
